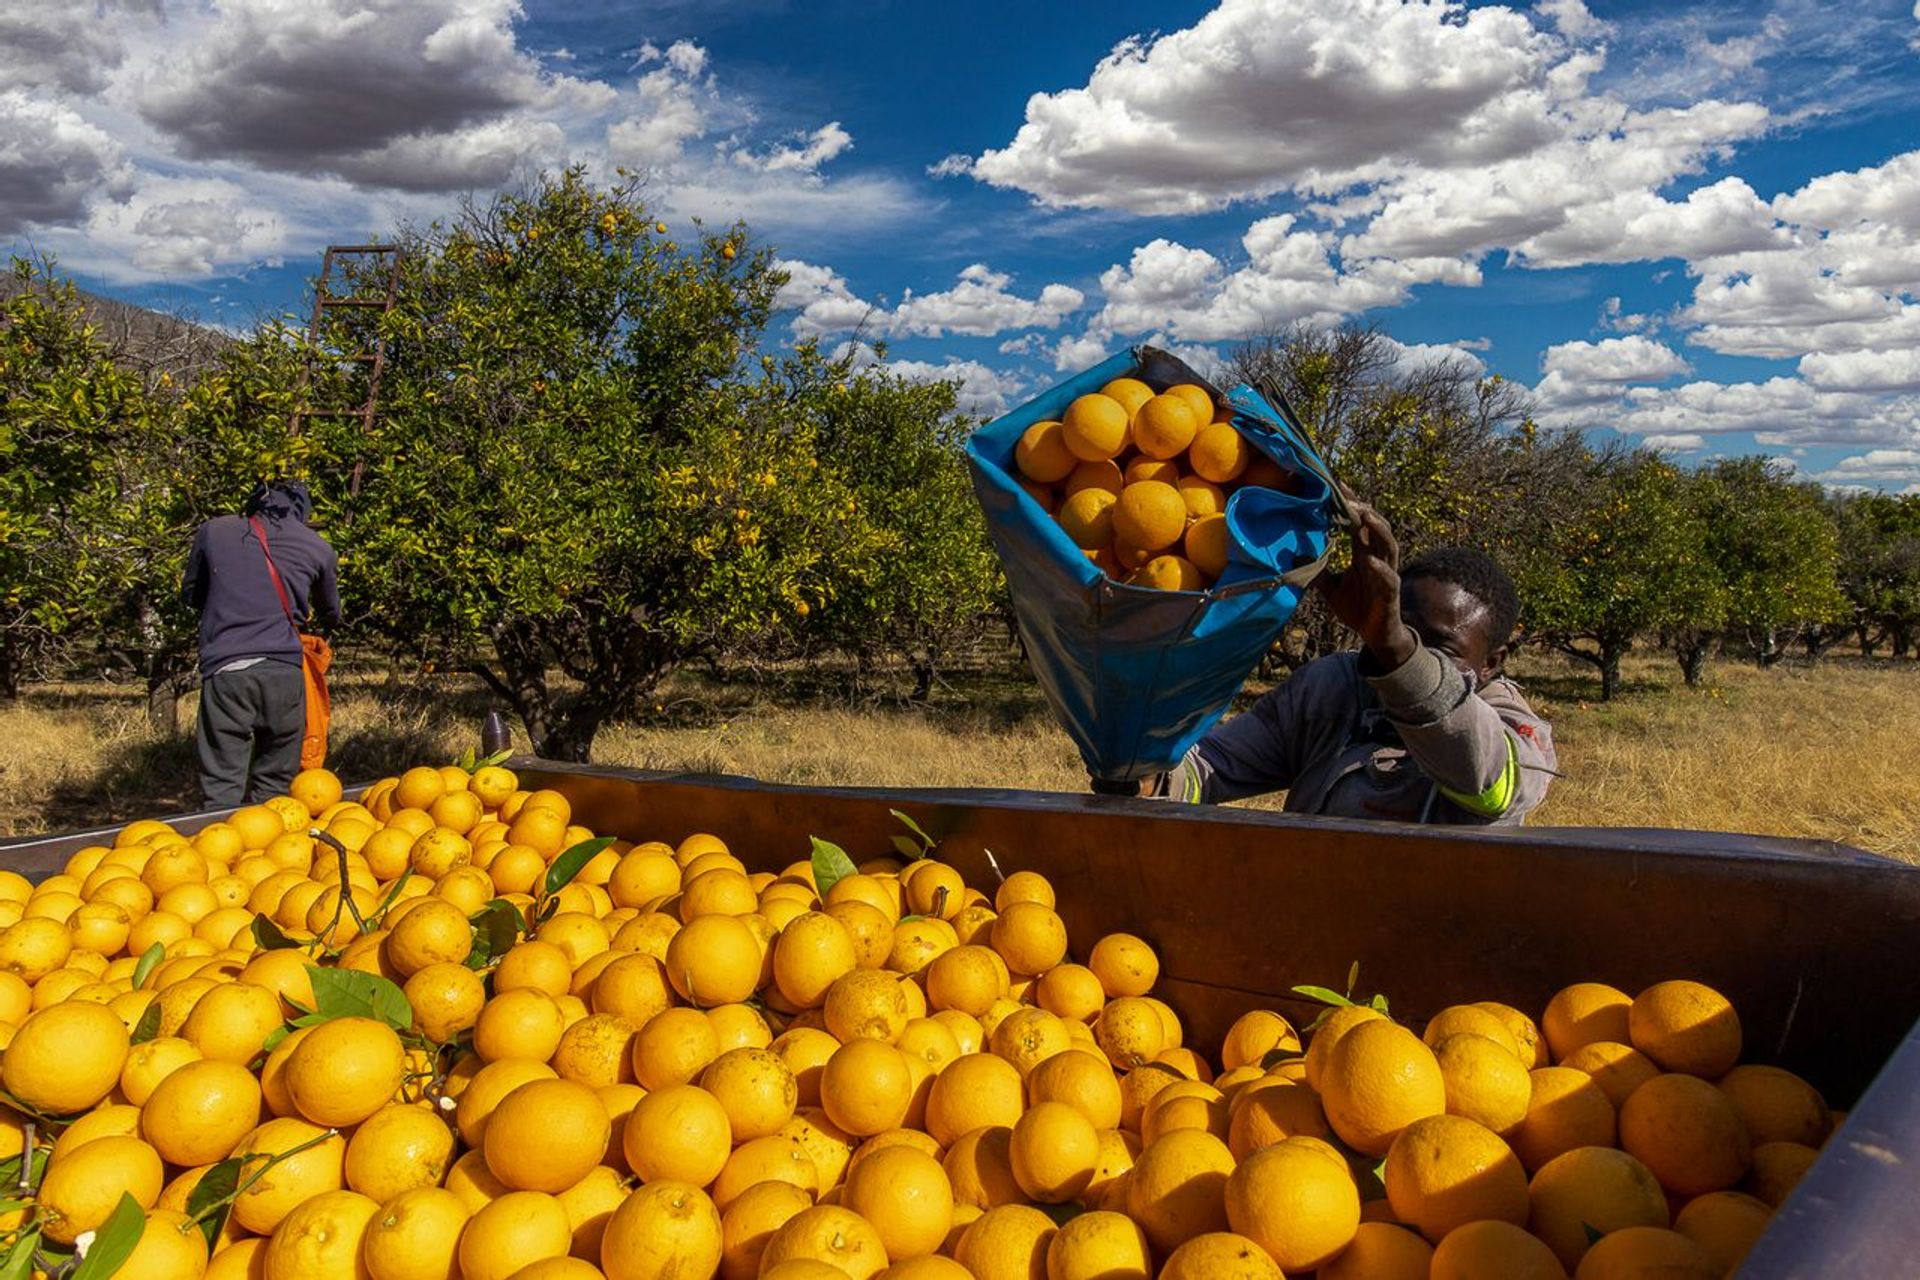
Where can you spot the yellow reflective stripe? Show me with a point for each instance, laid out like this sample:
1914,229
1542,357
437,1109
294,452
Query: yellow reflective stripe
1496,799
1191,792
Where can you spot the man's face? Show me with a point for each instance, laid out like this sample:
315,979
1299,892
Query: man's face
1448,619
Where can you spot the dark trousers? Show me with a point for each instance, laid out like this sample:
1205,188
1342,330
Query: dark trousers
251,722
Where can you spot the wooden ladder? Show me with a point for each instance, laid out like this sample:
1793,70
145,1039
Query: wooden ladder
376,259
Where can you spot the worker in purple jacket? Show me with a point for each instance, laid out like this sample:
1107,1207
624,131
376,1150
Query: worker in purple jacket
1420,724
256,578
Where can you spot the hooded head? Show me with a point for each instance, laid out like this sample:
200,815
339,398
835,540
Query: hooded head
279,499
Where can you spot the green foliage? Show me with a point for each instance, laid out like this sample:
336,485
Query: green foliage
1627,556
1880,565
929,574
67,414
574,467
1776,547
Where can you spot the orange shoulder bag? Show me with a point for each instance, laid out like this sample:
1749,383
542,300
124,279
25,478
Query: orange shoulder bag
316,656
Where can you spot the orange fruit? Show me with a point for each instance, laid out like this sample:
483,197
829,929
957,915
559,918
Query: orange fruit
1469,1020
867,1004
1646,1251
1725,1224
1483,1249
321,1239
1329,1033
973,1092
770,1159
488,1085
431,932
596,1050
169,1246
1589,1190
1087,517
830,1146
1583,1013
1527,1036
1042,454
66,1057
1167,573
749,1221
315,789
149,1063
1565,1110
1144,468
1130,392
1208,545
1271,1112
1378,1079
1177,1188
1202,497
446,1000
678,1133
1687,1132
1024,886
1094,427
714,959
416,1233
1150,516
1617,1068
80,1191
1686,1027
1443,1171
1254,1035
293,1179
521,1023
1777,1169
979,1164
1164,426
1197,398
1103,474
1294,1202
830,1234
755,1088
907,1198
1776,1105
197,1114
1008,1242
1126,965
674,1047
1053,1152
811,953
1081,1080
1380,1251
507,1234
866,1086
1484,1082
546,1135
1099,1246
345,1070
1219,453
540,966
398,1148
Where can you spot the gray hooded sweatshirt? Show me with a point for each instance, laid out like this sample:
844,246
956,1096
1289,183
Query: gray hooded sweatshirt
1418,744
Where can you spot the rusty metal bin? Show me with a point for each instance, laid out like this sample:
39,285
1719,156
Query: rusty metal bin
1808,939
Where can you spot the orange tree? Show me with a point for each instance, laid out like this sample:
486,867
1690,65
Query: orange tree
1776,547
583,474
934,577
66,410
1623,555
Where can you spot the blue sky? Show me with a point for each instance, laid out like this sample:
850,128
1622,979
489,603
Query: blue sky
1698,225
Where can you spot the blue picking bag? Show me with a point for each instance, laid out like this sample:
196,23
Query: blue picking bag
1136,675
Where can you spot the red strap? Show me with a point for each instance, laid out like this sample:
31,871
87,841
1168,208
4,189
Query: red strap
273,571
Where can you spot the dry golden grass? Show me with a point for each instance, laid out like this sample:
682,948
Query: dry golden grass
1818,753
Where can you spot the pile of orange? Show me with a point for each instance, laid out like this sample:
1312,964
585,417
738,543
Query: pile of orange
1140,480
672,1067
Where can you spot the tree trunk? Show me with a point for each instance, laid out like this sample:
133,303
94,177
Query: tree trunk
1693,663
1766,648
12,662
1868,642
1899,639
523,681
1610,670
163,706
